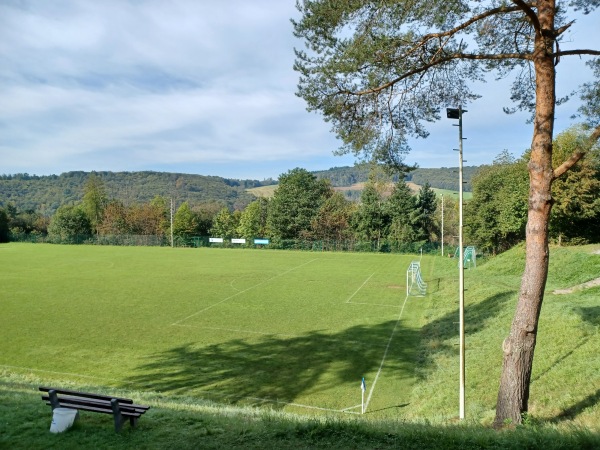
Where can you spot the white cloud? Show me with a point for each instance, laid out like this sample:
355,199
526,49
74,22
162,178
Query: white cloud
130,85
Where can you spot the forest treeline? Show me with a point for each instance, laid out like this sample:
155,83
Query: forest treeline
306,206
44,194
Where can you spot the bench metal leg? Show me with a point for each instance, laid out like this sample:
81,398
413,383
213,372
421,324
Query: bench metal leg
119,419
54,403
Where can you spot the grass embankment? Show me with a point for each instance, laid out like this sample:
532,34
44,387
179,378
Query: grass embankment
183,423
565,383
132,349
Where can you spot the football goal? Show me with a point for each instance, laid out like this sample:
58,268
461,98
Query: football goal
414,282
469,257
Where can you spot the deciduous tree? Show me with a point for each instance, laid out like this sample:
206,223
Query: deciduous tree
225,224
253,221
332,221
94,200
576,210
69,224
184,222
295,202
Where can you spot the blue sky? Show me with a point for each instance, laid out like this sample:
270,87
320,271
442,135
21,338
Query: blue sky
199,86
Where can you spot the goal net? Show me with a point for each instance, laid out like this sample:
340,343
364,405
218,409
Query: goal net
414,282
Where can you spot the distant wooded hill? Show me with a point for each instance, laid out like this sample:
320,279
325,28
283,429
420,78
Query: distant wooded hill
44,194
353,177
444,178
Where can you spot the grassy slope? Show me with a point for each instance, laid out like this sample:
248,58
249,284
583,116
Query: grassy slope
181,423
564,390
565,382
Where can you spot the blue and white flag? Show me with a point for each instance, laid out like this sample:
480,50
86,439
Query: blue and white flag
363,385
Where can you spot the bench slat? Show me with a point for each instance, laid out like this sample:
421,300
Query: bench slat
85,394
95,402
98,410
97,407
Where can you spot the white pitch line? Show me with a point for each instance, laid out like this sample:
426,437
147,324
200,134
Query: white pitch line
351,407
385,354
299,405
241,292
361,286
375,304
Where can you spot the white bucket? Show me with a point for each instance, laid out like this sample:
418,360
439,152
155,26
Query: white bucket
62,419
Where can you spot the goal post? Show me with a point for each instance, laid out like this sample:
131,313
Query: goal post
414,282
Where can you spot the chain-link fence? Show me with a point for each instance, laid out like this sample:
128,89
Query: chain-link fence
314,245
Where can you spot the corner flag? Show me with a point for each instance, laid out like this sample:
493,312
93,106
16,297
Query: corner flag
363,388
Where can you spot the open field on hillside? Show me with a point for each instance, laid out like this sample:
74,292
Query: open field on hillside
296,331
268,191
263,191
293,332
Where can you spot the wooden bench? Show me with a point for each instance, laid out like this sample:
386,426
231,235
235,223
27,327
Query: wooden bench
121,408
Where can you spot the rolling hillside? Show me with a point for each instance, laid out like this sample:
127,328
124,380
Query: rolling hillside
44,194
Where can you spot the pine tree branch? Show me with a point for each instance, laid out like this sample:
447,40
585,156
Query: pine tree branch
578,154
576,52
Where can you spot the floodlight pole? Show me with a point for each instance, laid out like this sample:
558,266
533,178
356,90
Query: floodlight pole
442,224
457,114
172,244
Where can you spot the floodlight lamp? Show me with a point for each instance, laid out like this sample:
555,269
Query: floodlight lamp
452,113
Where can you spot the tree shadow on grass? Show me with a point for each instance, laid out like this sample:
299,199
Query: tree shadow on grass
573,411
275,368
590,314
282,369
435,336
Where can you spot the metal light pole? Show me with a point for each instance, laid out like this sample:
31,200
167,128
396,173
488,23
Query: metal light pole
442,224
172,244
454,113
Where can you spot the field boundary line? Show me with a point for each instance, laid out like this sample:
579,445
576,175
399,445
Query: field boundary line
360,287
299,405
387,348
281,402
242,292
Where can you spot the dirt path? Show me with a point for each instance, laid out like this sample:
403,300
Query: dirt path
579,287
582,286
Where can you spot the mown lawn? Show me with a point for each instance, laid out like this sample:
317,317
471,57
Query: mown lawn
258,348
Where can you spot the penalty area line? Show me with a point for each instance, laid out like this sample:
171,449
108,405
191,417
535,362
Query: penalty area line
360,287
242,292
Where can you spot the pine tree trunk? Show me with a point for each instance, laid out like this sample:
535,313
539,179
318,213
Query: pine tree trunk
519,346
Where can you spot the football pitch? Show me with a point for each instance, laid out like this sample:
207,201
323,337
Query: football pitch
294,331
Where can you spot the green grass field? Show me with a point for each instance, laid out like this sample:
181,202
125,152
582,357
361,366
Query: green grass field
190,331
295,331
